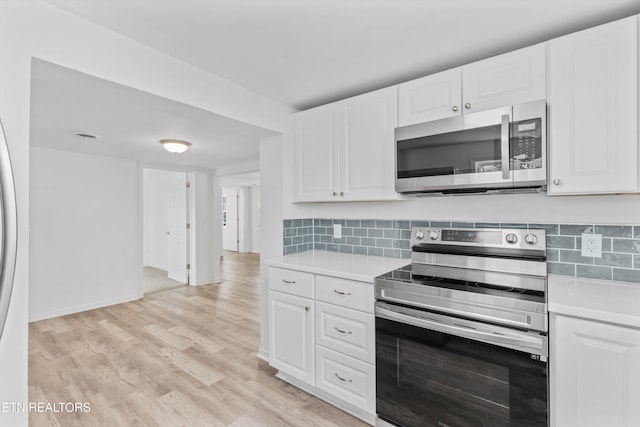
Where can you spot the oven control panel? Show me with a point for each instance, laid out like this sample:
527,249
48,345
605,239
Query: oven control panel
479,237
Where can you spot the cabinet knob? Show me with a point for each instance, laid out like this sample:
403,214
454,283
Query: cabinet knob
335,194
454,108
557,181
307,308
342,193
467,105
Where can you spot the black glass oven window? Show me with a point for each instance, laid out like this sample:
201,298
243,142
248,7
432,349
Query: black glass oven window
426,378
468,151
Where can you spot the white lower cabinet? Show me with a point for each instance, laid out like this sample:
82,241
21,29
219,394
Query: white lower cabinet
324,344
291,331
346,378
595,373
348,331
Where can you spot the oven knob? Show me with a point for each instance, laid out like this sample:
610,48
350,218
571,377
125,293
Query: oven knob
433,235
511,238
531,239
419,235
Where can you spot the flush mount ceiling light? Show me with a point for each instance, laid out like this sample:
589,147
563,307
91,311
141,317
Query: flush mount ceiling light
175,145
87,138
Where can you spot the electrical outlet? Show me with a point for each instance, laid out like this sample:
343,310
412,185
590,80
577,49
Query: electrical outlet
592,245
337,231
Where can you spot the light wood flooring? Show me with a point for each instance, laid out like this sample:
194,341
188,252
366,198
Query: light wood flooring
181,357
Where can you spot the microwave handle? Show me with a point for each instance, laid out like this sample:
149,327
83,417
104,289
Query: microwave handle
504,142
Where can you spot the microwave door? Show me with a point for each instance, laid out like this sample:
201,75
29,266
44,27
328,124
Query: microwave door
529,144
460,153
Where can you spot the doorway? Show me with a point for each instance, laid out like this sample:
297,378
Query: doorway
165,229
230,220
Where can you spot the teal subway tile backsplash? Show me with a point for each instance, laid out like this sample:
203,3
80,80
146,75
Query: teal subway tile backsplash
391,238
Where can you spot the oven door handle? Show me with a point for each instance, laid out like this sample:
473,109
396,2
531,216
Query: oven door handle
523,343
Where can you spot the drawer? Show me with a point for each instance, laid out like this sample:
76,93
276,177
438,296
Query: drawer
346,378
291,282
347,293
347,331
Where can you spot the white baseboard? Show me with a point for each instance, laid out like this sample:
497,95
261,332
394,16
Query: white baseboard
195,285
263,354
79,308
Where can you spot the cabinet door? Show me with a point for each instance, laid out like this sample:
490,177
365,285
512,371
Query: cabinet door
508,79
291,335
593,115
430,98
367,146
316,154
595,374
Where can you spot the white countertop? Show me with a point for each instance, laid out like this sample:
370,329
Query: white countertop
363,268
603,300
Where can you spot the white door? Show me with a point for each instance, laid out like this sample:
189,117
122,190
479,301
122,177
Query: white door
430,98
291,335
230,237
595,369
593,95
367,148
508,79
316,147
177,233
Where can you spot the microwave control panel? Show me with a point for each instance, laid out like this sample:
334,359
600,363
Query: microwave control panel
526,144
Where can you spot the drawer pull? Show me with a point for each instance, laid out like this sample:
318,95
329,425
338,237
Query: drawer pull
289,282
341,293
341,331
342,379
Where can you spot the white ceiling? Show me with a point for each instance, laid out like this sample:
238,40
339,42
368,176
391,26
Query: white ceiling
131,122
305,53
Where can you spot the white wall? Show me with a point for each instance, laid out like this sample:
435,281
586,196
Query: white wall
254,196
32,28
85,232
271,199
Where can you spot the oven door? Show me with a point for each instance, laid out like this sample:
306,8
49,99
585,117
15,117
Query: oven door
436,370
463,152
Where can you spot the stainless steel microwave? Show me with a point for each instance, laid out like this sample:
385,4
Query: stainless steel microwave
493,150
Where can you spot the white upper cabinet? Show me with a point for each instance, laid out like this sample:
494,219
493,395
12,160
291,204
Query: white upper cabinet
344,151
593,113
367,146
503,80
316,153
430,98
508,79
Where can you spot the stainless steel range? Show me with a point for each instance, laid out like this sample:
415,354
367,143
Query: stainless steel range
461,332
